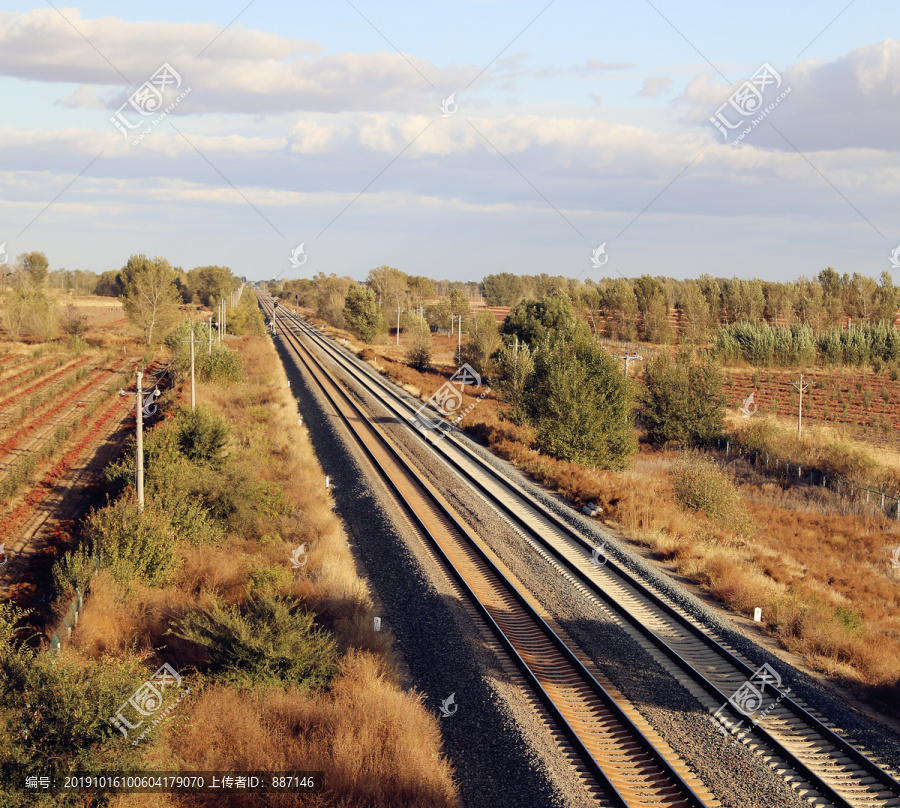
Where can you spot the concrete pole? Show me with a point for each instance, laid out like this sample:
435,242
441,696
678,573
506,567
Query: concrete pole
459,338
209,348
398,325
192,369
139,460
800,410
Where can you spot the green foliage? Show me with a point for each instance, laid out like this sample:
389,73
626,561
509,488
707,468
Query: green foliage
55,713
268,640
701,486
482,343
213,362
533,321
761,344
202,437
362,313
682,401
133,544
515,365
503,289
246,318
150,296
580,403
418,354
209,285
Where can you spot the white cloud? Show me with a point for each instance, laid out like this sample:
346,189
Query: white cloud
853,101
655,86
244,71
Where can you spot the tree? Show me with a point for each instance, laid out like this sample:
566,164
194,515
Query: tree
362,313
653,304
620,309
420,289
504,289
682,401
35,268
110,284
482,342
459,304
419,353
150,296
515,365
580,403
533,320
694,313
208,285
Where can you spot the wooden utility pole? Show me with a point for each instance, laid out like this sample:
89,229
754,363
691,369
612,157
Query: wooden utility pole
801,387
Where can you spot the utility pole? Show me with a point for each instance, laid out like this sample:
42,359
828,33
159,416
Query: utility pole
398,325
630,358
459,338
192,369
209,348
801,387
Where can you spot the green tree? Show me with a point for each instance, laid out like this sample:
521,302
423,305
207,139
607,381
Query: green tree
362,313
694,312
515,364
35,268
503,289
653,305
150,296
533,320
208,285
682,401
418,354
482,342
580,403
620,309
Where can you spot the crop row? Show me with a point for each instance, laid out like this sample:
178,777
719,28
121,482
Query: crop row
32,371
41,419
45,380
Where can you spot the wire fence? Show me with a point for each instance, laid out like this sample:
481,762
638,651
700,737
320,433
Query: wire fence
795,473
617,346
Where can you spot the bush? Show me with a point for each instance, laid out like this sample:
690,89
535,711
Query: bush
362,314
682,401
580,403
268,640
55,712
202,437
419,354
701,486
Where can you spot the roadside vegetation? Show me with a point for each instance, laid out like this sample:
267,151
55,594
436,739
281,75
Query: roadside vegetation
238,575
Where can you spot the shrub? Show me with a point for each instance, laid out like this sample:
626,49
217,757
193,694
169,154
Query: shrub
130,543
682,401
701,486
268,640
580,403
202,437
362,314
419,354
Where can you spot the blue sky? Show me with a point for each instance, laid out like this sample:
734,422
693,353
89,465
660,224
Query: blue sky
591,127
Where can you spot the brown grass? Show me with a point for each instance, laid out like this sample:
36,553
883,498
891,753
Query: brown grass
377,744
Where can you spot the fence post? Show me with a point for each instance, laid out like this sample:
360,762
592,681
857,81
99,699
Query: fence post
882,500
727,447
867,495
799,467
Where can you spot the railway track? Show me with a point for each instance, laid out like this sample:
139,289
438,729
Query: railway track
624,762
800,746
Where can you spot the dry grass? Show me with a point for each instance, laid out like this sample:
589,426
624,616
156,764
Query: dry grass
376,743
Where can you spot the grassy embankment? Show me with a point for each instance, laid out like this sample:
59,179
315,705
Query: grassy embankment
285,670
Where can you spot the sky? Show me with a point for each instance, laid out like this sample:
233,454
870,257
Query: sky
454,139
